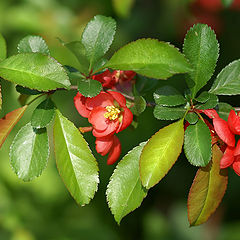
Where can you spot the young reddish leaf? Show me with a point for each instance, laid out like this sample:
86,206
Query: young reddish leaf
207,190
160,153
9,121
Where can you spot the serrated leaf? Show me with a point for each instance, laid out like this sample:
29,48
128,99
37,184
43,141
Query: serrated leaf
33,44
227,81
125,192
123,7
26,91
168,96
168,113
207,190
191,117
227,3
43,114
89,87
3,48
139,105
76,164
210,103
29,152
197,144
201,48
160,153
35,71
203,97
98,36
151,58
9,121
223,110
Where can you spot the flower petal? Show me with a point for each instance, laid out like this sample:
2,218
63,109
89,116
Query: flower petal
211,113
79,102
237,149
97,119
227,158
104,144
236,165
127,118
223,131
112,126
234,122
115,151
119,98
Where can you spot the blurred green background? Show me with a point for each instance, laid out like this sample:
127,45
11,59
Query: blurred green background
43,209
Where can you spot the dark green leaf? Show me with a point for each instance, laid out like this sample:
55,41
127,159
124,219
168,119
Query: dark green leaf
201,48
89,87
151,58
223,110
227,81
43,114
197,144
144,85
22,99
203,97
34,70
33,44
191,117
125,192
139,105
168,113
3,48
27,91
168,96
99,65
76,164
29,152
97,37
227,3
210,103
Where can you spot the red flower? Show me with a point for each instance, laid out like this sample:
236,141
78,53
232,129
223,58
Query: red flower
234,122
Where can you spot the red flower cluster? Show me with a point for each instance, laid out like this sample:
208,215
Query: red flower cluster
108,114
226,131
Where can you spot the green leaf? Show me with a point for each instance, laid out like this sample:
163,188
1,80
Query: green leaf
98,36
0,96
160,153
201,48
197,144
43,114
223,110
168,113
203,97
76,164
33,44
210,103
227,3
9,121
151,58
26,91
207,190
29,152
168,96
35,71
123,7
227,81
3,48
125,192
144,85
89,87
22,99
191,117
139,105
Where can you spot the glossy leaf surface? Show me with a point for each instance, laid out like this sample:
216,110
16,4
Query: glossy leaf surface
89,87
168,113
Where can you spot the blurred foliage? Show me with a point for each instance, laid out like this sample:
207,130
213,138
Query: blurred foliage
43,209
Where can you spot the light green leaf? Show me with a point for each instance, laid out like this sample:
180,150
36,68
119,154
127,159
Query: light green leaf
89,87
123,7
207,190
125,192
43,114
168,113
201,48
98,36
0,96
33,44
197,144
223,110
3,48
168,96
76,164
151,58
35,71
227,81
160,153
210,103
29,152
139,105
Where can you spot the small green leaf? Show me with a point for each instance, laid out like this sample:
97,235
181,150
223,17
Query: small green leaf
33,44
168,113
210,103
35,71
207,190
227,81
227,3
197,144
125,192
9,121
139,105
201,48
203,97
43,114
168,96
144,85
160,153
151,58
76,164
29,152
97,37
123,7
223,110
89,87
26,91
191,117
3,48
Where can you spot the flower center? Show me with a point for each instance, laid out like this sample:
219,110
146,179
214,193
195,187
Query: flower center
112,113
